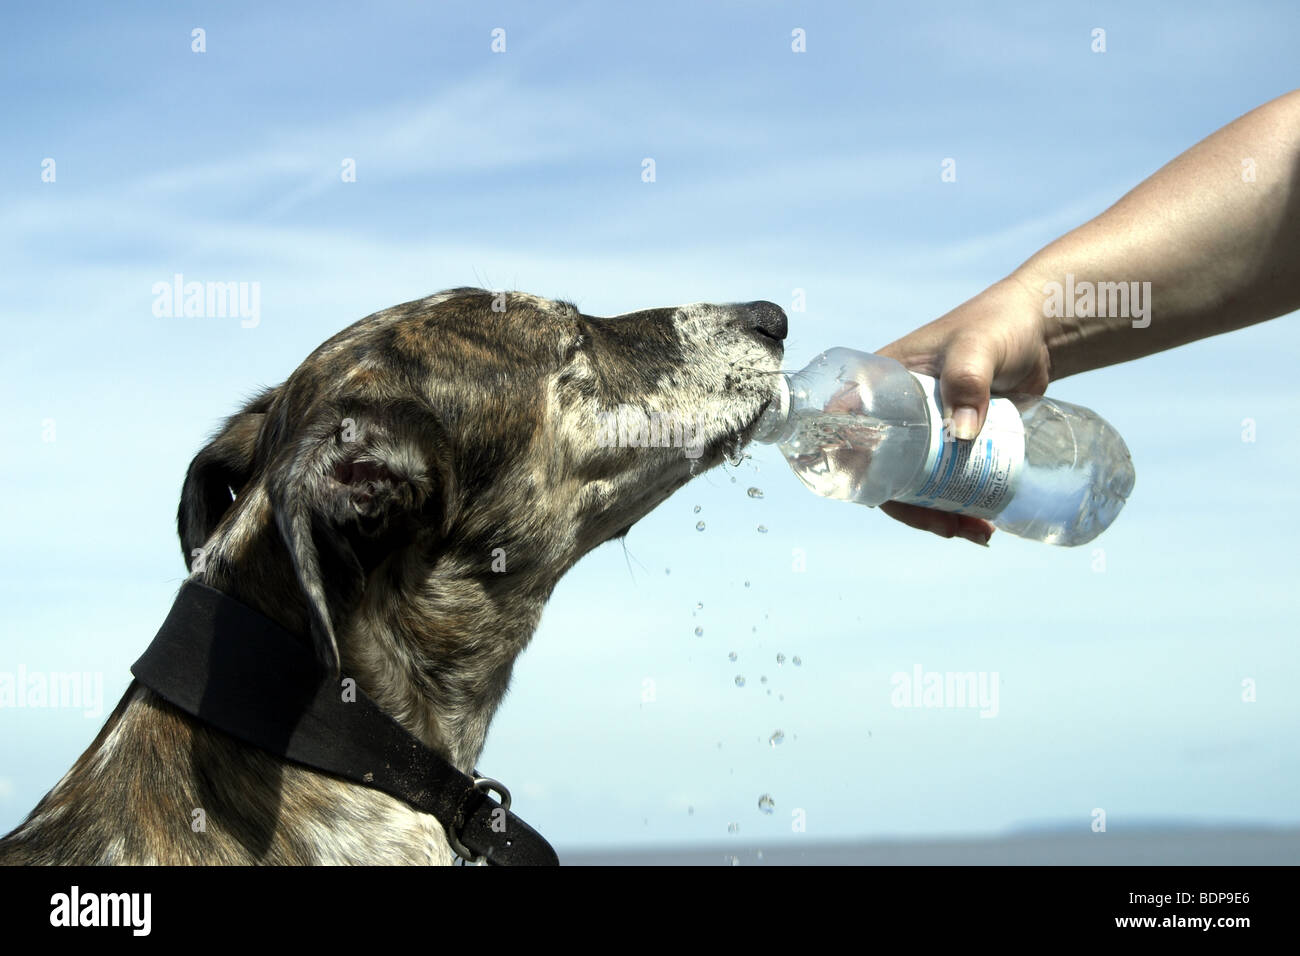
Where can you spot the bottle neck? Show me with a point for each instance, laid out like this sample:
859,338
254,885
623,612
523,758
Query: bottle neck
772,423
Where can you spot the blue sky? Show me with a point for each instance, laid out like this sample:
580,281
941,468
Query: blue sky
1119,689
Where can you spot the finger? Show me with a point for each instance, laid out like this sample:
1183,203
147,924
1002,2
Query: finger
918,350
847,399
945,524
969,364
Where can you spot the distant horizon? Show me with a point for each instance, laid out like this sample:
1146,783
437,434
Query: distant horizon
1062,830
1251,845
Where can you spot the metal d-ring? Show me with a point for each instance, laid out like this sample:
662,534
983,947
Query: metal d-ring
486,785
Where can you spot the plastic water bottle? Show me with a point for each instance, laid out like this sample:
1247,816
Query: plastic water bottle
861,427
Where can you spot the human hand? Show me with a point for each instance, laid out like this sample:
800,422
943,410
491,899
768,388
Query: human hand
995,341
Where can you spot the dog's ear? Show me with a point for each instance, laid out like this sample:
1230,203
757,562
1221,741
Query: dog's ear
345,497
218,473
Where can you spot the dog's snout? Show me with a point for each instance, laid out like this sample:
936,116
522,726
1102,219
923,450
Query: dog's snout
767,318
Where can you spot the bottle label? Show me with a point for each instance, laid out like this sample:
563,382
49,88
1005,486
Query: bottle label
973,477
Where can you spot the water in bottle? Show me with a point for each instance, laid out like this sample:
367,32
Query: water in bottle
860,427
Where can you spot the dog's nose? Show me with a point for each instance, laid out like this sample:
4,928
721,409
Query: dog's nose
767,318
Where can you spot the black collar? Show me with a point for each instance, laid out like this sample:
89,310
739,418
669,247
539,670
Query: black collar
230,667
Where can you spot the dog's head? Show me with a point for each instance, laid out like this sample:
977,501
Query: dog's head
473,441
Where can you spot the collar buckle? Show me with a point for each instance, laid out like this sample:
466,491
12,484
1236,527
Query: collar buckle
482,785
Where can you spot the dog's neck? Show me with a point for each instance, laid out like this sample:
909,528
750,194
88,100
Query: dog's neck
434,648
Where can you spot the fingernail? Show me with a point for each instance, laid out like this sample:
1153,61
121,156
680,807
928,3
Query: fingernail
965,423
977,537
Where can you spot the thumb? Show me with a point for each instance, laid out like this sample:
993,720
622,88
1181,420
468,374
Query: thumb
969,363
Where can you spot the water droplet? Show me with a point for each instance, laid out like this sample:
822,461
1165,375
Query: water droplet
699,605
699,526
795,661
740,681
762,529
732,860
780,658
668,570
697,509
746,584
762,680
733,827
690,811
755,492
731,656
766,803
699,632
782,697
733,479
777,738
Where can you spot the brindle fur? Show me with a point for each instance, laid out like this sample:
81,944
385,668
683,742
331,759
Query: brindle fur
472,429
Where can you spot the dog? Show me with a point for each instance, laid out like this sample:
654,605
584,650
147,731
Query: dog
405,502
